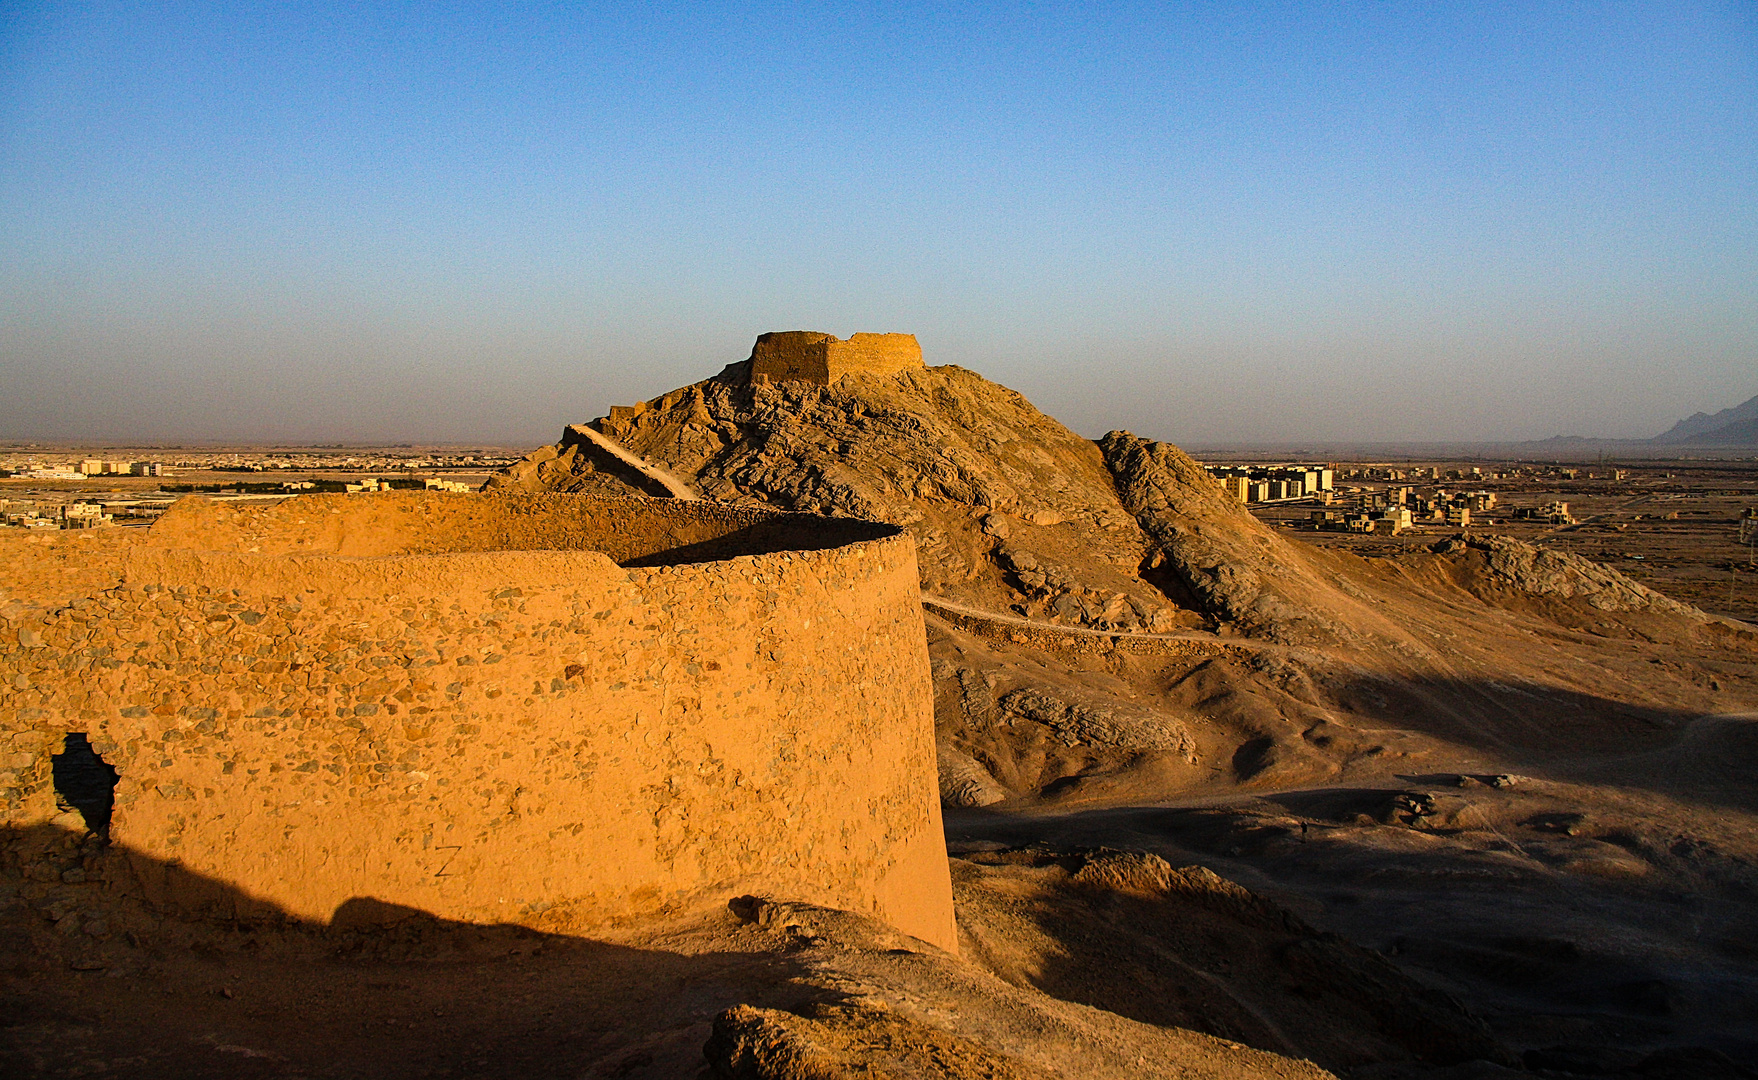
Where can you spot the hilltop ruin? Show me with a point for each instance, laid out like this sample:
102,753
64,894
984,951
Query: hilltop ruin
809,356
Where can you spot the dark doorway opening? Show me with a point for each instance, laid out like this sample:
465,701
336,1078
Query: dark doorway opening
85,781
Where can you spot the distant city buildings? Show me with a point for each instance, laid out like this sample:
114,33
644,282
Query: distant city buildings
1551,513
1273,483
1369,496
81,515
70,489
1388,520
1388,499
48,466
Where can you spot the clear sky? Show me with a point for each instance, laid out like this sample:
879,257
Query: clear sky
1203,222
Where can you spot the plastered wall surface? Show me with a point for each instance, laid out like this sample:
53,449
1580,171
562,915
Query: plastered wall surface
815,357
462,704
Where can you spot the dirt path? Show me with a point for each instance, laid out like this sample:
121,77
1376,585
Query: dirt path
677,488
965,614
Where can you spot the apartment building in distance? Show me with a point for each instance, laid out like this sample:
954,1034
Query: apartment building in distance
1274,483
1390,520
1555,512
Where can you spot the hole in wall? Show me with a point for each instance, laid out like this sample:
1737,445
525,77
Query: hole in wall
85,781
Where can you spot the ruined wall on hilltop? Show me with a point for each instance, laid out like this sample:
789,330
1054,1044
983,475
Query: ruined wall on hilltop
808,356
462,704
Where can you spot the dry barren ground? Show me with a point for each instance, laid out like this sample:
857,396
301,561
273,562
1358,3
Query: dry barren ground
757,990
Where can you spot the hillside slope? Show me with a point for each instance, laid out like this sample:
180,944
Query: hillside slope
1268,657
1010,509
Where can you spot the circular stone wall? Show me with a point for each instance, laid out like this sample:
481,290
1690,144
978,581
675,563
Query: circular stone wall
463,705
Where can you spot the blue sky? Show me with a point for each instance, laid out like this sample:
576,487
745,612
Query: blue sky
1203,222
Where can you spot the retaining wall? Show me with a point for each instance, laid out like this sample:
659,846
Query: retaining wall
462,704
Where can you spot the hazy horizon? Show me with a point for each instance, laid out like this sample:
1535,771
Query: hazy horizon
1211,224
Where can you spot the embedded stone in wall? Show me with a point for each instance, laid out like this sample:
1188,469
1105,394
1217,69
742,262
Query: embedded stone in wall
464,705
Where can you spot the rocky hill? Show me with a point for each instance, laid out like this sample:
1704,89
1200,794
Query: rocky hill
1010,509
1735,426
1737,433
1026,531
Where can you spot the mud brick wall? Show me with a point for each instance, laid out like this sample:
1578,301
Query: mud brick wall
821,358
314,702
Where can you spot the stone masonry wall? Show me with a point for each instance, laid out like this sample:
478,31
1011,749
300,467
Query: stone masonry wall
309,703
814,357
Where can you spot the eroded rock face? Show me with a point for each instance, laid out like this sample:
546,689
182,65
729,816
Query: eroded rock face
896,1013
1241,572
838,1041
1517,565
1112,724
964,781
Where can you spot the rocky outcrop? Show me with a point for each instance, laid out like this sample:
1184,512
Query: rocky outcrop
1060,593
964,781
1112,724
1515,565
861,1002
1239,570
848,1041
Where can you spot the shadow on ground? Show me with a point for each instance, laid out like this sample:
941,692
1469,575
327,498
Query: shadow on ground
1562,914
97,983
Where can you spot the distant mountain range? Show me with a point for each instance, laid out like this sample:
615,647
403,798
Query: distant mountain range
1737,426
